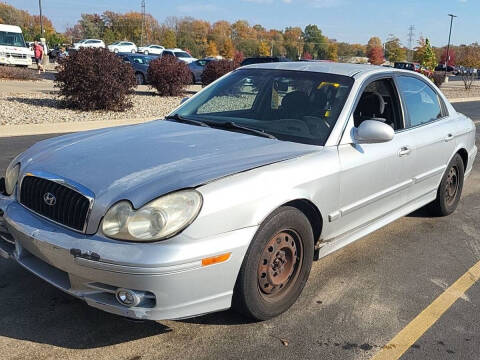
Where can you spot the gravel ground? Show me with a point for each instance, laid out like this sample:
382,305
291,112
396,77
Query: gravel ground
37,107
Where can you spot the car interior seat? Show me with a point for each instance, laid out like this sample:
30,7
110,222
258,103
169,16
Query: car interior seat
370,107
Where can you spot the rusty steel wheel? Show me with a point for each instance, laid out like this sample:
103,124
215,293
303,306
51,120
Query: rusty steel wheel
450,189
276,265
279,264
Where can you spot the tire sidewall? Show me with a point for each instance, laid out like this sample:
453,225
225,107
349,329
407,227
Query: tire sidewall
247,284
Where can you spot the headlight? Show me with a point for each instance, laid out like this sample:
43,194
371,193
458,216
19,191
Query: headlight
11,177
159,219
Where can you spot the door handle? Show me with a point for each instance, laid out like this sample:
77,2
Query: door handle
404,151
449,137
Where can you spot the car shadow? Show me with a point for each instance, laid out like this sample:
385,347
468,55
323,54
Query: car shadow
421,213
35,311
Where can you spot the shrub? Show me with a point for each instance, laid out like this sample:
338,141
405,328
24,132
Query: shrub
95,79
168,75
238,58
438,78
15,73
216,69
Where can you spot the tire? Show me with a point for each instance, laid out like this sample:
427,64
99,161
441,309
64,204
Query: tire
193,79
450,189
272,277
139,78
133,51
146,52
115,51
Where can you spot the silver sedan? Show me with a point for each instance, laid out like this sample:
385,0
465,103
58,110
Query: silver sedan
227,201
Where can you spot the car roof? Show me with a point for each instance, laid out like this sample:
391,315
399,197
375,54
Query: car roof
351,70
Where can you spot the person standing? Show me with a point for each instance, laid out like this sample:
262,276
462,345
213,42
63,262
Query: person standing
38,55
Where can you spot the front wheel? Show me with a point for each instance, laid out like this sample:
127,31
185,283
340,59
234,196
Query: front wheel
450,189
146,52
276,266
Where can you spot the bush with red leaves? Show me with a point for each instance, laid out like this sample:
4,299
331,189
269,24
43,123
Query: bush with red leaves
216,69
95,79
168,75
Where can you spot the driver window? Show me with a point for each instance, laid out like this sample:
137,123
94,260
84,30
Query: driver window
379,101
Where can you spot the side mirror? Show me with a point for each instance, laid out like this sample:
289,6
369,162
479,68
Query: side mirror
184,99
373,131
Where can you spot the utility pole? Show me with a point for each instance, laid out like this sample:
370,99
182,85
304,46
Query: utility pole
143,22
41,17
447,58
411,35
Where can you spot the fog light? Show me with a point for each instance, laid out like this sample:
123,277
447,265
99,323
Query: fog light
128,297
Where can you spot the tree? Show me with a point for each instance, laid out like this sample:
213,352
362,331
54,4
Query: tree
168,38
212,49
307,56
451,55
263,49
429,59
375,56
228,50
315,42
293,37
332,52
374,42
394,50
469,57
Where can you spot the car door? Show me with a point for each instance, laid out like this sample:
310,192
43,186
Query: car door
373,178
429,126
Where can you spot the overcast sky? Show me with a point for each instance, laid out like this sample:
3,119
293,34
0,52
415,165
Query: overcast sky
344,20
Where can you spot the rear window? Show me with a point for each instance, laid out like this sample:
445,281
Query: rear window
182,54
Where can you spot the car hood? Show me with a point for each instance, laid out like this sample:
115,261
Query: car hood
142,162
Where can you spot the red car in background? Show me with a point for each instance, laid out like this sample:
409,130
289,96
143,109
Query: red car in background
413,67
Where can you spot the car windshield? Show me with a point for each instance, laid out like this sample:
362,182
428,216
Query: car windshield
182,54
296,106
11,39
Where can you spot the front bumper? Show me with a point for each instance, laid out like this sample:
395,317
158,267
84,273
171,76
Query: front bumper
9,60
93,267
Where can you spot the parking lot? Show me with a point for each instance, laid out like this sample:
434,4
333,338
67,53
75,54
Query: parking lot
355,301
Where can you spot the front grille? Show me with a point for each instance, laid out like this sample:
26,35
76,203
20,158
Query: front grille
19,56
70,207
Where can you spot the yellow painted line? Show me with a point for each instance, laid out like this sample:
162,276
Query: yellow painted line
429,316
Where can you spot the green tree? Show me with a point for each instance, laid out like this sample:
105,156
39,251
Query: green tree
315,43
429,58
394,51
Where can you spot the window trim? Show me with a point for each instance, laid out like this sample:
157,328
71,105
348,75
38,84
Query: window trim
441,102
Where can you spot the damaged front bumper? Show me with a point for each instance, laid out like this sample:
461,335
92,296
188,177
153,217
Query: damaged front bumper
92,267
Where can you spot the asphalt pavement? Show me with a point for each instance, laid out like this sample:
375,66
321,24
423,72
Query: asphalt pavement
355,301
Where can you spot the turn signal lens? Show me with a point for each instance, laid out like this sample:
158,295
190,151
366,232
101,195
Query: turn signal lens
215,259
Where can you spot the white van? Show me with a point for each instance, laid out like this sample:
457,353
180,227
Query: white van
13,50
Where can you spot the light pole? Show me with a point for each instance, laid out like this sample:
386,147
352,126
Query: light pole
447,58
41,18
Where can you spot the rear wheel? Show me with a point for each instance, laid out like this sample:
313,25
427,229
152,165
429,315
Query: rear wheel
450,189
133,51
276,266
146,52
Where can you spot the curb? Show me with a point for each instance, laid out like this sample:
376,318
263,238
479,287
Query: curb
68,127
459,100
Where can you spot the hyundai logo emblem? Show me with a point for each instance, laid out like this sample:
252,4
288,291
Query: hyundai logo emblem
49,199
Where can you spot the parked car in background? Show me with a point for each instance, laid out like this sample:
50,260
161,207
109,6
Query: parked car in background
140,63
122,47
197,67
263,60
450,69
13,49
89,43
151,49
179,54
412,66
228,200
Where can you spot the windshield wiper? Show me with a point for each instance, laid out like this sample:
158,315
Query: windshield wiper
234,126
181,119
